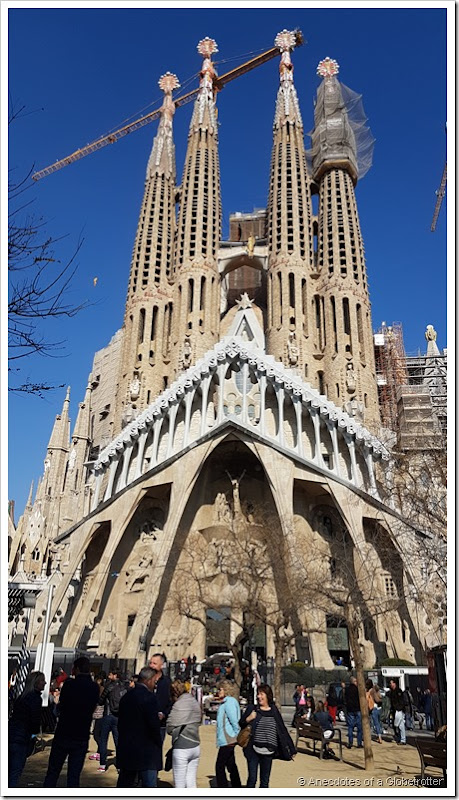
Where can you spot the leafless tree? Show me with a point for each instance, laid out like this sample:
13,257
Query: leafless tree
38,282
246,571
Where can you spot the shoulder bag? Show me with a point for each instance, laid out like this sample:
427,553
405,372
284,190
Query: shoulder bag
168,761
243,737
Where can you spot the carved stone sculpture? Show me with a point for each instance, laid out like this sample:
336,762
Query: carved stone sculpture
350,378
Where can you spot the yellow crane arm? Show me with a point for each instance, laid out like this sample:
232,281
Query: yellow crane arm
440,195
110,138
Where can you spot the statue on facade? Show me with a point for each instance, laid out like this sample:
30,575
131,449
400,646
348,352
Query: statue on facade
235,482
134,387
250,246
355,409
248,509
128,415
139,565
72,459
431,333
350,378
292,349
223,511
186,353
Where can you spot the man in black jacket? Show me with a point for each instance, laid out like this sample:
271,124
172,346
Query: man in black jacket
77,702
353,713
110,698
162,691
397,703
139,743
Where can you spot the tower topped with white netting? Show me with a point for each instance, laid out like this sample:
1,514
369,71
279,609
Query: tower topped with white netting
340,136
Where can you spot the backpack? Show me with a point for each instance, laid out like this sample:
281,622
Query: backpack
114,698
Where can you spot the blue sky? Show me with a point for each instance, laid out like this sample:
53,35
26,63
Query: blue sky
84,71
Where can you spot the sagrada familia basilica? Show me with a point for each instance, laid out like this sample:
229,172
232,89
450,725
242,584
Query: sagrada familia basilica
240,394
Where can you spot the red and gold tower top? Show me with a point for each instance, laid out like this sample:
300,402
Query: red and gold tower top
327,68
285,41
168,83
287,106
207,47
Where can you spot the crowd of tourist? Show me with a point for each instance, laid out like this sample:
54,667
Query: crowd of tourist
139,711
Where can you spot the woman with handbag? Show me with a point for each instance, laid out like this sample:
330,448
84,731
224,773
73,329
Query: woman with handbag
24,725
227,730
183,725
269,737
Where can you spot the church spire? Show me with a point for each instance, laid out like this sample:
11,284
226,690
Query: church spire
29,503
148,317
60,436
291,257
196,307
81,429
341,333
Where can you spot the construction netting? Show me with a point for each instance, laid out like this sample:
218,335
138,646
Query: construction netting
340,128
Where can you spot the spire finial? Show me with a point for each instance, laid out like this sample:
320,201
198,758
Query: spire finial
327,68
285,41
206,47
168,82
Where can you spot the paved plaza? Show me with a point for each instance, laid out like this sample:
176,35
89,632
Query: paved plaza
395,767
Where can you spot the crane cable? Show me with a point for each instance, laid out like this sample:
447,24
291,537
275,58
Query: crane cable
136,114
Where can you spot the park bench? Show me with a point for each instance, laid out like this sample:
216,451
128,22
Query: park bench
432,754
312,730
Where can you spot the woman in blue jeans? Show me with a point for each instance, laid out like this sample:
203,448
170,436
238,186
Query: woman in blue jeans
269,737
374,707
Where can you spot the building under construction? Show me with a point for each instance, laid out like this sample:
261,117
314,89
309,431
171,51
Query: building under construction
411,389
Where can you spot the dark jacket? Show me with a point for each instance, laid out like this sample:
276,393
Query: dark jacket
351,699
163,697
77,702
332,697
139,743
286,749
106,698
397,700
324,719
26,716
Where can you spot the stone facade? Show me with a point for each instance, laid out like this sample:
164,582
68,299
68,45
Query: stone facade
212,420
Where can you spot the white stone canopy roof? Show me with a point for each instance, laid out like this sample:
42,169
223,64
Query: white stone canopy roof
240,351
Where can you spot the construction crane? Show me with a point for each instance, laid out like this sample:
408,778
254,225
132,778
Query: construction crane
440,195
110,138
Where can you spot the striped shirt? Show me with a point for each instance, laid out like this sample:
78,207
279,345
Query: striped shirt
265,735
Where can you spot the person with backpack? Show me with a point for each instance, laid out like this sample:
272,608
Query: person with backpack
110,698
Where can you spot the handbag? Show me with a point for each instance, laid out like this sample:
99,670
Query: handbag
168,762
243,736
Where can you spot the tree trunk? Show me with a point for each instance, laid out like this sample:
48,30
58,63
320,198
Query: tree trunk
236,651
353,630
277,680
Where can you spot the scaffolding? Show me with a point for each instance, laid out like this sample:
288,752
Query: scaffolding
391,371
